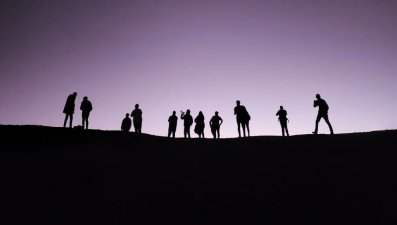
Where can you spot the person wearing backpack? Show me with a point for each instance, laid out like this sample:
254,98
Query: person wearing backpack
322,113
242,117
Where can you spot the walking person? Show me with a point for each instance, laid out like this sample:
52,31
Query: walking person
322,113
200,124
126,123
242,117
282,118
187,122
69,109
137,118
172,122
215,124
86,108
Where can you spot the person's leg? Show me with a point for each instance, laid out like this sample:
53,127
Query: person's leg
173,133
185,132
88,116
286,128
169,131
66,120
329,124
317,121
135,126
217,131
188,132
243,126
71,120
238,128
248,128
282,130
82,120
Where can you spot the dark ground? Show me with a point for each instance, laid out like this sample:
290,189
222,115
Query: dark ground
61,176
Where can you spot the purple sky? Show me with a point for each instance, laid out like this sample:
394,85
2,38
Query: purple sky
201,55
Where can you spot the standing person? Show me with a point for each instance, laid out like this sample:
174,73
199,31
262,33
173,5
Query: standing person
187,122
282,118
215,124
242,117
126,123
200,124
137,118
172,122
69,109
322,113
86,108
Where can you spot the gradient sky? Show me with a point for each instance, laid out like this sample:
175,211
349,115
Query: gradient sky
201,55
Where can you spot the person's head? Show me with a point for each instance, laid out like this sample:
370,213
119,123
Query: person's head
318,96
127,115
173,113
136,106
281,107
74,93
187,112
200,113
85,98
216,113
238,102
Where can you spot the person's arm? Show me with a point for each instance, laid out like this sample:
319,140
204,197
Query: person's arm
278,112
220,118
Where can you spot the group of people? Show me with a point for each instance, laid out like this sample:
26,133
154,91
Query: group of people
215,124
241,113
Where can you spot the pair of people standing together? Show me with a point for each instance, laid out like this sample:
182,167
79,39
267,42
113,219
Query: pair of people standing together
136,114
85,107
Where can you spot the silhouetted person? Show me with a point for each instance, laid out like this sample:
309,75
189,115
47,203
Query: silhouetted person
137,118
322,113
199,128
172,122
187,122
69,109
215,124
282,118
126,124
86,108
242,117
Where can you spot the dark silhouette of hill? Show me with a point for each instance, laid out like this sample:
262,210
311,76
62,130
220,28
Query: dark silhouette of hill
66,176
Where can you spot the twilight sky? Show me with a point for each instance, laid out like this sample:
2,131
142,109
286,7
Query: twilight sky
200,55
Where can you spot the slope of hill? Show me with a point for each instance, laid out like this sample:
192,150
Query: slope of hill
64,176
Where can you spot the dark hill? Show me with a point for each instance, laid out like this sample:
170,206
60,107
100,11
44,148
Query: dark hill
62,176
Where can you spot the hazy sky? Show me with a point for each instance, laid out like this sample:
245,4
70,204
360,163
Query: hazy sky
201,55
